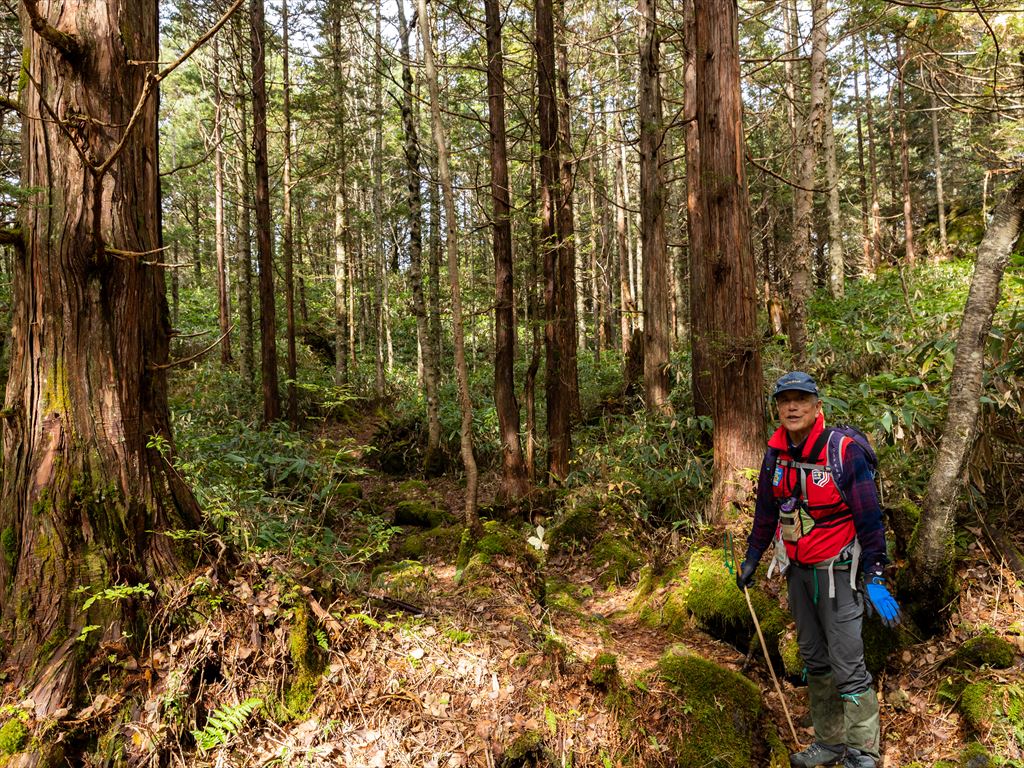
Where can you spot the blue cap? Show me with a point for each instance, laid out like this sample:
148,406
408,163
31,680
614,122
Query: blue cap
795,380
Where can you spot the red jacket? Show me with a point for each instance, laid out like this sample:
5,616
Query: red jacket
833,526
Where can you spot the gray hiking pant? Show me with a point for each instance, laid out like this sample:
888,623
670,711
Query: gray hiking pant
828,630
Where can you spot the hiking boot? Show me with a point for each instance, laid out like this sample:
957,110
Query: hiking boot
857,759
817,754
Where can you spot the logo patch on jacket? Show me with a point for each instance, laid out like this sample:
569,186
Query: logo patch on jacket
819,477
778,476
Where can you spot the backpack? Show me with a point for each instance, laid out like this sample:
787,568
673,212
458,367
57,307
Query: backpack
834,457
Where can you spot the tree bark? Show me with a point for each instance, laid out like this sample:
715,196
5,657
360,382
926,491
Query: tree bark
908,206
876,208
940,200
557,367
223,306
88,483
865,200
412,161
268,325
929,575
731,299
380,274
243,217
514,484
566,226
452,242
287,233
342,317
836,250
656,277
700,360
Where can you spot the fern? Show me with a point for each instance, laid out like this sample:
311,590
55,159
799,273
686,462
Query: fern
223,723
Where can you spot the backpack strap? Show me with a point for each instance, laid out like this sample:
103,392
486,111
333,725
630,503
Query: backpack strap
811,463
836,447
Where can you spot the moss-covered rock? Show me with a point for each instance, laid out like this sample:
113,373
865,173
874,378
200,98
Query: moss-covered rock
501,545
579,524
710,595
525,750
442,541
993,709
984,651
420,514
348,491
307,663
974,755
720,712
616,559
558,596
406,580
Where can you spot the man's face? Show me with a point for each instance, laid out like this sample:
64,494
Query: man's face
797,412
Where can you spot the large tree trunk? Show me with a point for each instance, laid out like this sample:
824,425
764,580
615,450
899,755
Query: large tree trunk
287,235
656,277
700,360
84,497
929,575
836,251
243,218
514,482
557,367
566,227
452,242
380,274
908,206
223,305
342,249
268,325
940,199
730,301
802,275
876,206
432,455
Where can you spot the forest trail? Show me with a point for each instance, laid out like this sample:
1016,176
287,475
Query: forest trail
505,678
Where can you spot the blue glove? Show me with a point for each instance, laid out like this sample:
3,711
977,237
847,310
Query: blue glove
884,603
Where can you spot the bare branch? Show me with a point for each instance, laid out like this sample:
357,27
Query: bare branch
69,45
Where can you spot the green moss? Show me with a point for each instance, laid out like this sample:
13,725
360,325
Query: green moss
617,559
711,596
577,525
404,580
604,671
720,710
904,515
789,652
13,735
9,545
984,650
974,755
880,642
348,491
442,541
498,539
558,597
523,750
306,662
420,514
993,709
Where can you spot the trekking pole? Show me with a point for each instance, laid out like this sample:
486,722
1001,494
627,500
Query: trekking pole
764,648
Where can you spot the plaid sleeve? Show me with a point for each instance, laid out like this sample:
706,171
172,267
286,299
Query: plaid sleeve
766,513
859,489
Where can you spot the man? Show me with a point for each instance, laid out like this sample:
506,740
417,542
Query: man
827,523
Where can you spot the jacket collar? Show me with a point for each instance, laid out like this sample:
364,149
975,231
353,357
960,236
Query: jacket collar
780,439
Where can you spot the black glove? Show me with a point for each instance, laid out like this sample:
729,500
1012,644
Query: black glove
745,575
